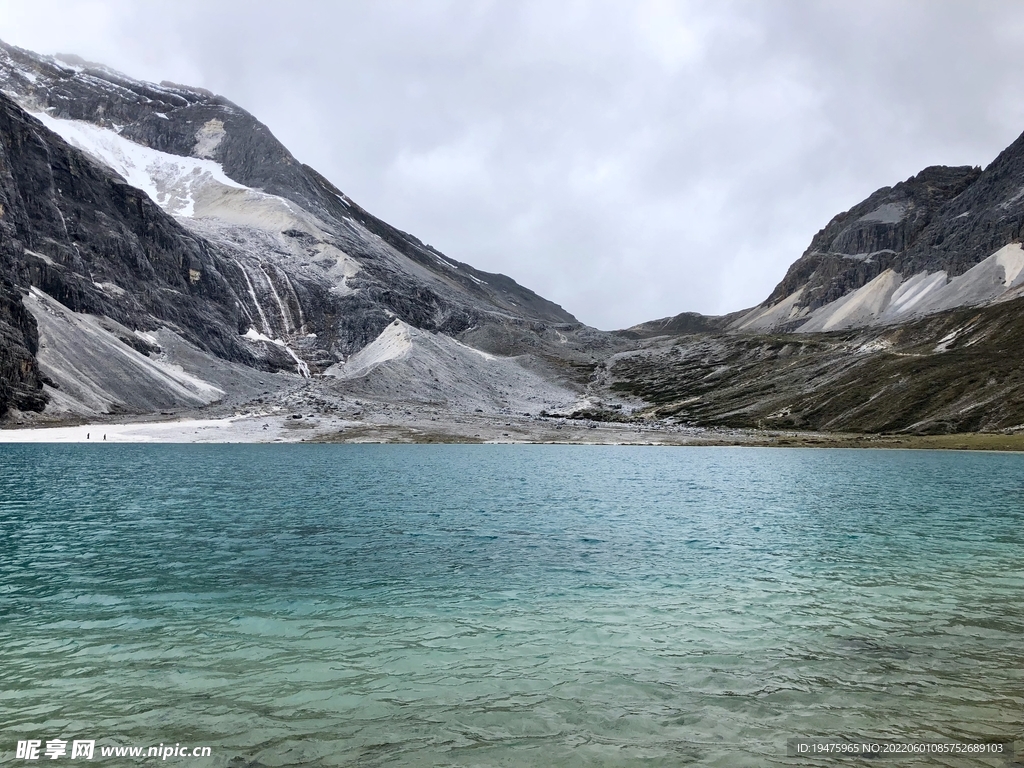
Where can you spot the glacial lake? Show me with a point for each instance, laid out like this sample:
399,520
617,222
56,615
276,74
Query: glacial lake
375,605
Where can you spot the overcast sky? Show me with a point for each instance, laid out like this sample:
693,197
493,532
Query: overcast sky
629,160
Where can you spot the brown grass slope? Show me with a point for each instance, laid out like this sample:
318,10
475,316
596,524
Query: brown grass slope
960,371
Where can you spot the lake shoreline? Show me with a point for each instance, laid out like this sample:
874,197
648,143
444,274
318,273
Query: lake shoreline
462,428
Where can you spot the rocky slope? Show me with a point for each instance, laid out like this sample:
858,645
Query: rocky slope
164,208
943,239
955,371
905,314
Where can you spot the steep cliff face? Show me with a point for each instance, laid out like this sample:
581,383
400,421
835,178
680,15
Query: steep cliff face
20,381
167,207
172,118
985,217
82,235
99,245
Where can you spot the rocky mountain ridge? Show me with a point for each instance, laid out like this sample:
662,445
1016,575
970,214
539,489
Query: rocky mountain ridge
167,207
905,314
944,238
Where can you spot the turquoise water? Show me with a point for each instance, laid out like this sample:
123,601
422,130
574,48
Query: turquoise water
507,605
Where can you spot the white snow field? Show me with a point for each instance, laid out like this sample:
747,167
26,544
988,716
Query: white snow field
171,181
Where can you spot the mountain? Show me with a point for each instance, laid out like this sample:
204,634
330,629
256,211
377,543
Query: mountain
905,314
162,253
945,238
150,232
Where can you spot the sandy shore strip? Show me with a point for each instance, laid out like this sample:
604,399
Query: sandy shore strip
232,429
473,428
141,432
379,426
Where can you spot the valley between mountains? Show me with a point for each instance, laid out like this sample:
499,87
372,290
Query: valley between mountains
169,271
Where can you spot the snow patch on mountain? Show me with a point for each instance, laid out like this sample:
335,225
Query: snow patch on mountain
197,188
172,182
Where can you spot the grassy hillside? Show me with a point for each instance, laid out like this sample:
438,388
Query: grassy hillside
960,371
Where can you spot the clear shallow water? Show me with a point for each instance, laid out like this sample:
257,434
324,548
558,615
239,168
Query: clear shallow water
508,605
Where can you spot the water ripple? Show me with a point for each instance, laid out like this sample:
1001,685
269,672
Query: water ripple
507,605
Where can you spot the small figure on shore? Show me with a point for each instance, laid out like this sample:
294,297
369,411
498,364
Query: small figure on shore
104,437
86,435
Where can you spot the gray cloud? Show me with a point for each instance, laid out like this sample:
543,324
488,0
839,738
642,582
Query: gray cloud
629,160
